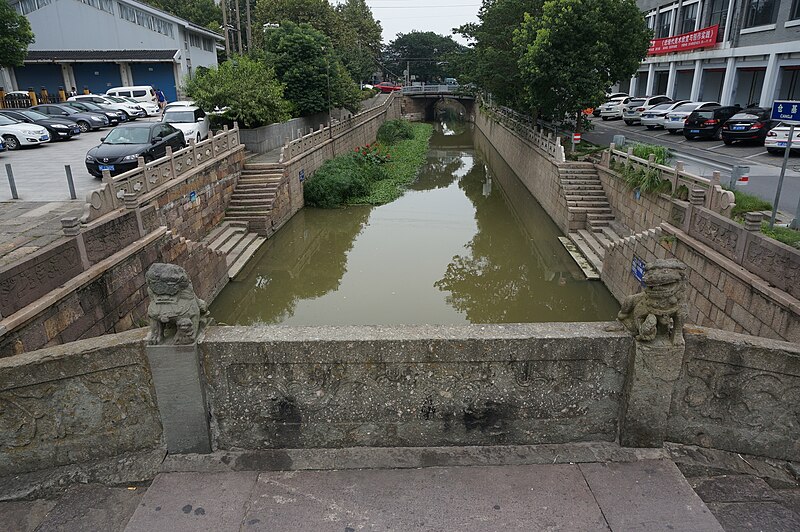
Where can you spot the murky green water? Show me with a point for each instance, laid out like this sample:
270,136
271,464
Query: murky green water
467,244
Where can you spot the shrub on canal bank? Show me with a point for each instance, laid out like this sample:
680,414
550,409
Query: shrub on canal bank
372,175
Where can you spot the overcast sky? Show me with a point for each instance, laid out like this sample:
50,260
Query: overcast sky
438,16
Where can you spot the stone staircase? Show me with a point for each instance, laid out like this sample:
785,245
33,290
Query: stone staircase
255,194
587,199
237,242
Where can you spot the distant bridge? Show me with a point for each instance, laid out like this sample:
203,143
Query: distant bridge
455,91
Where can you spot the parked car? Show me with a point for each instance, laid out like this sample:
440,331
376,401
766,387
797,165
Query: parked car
114,117
140,93
752,124
150,108
131,111
387,86
674,120
58,128
123,146
707,123
86,121
632,113
191,120
610,95
778,136
180,103
613,107
18,134
654,117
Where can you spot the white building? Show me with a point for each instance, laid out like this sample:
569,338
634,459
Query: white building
98,44
754,57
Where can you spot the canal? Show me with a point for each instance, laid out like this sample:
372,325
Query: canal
467,243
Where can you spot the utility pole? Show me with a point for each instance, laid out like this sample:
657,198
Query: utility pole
225,28
239,25
249,28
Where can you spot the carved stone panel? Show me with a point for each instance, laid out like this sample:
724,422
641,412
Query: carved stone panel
716,231
776,264
112,236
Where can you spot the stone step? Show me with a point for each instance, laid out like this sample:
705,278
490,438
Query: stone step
231,232
257,185
246,207
260,173
597,225
276,167
587,251
586,267
218,230
594,211
578,177
600,216
610,234
578,201
594,243
259,179
251,197
234,253
601,238
231,243
245,256
584,190
247,215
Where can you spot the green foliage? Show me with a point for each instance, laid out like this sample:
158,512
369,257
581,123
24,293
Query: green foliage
366,94
643,151
369,175
748,203
436,52
393,131
790,237
319,14
645,180
246,86
15,36
576,49
313,77
357,39
204,13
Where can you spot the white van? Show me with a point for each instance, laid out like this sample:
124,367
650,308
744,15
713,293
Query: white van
140,93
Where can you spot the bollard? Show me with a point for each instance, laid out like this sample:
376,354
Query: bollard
11,183
70,182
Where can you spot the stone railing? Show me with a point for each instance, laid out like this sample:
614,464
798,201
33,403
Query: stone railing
431,89
682,183
131,185
523,125
306,143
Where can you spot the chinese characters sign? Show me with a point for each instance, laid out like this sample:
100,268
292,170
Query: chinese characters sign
688,41
786,111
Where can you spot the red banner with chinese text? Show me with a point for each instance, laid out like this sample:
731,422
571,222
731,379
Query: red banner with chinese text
702,38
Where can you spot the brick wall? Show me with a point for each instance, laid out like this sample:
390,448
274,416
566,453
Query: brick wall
637,214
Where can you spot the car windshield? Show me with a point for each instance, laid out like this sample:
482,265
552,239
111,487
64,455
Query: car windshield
179,117
744,116
115,99
637,101
704,114
67,109
685,107
6,121
128,135
661,107
33,115
92,106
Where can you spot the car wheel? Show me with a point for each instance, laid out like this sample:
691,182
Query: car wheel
84,126
11,142
727,142
672,131
651,127
718,134
604,118
628,123
774,150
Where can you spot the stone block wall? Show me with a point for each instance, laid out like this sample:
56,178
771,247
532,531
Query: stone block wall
88,403
721,294
637,214
273,136
537,171
275,387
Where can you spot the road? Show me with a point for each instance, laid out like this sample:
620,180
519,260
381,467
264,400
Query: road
702,157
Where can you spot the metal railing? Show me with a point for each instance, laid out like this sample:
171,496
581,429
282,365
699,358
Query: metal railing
129,186
523,126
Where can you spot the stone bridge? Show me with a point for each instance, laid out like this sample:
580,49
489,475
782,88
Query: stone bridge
424,102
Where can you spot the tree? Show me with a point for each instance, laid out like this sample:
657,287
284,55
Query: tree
576,49
492,49
317,13
204,13
426,53
305,63
246,86
358,39
15,36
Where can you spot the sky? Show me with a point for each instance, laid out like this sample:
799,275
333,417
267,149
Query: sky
438,16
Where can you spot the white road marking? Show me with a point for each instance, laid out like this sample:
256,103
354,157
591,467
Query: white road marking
715,147
756,155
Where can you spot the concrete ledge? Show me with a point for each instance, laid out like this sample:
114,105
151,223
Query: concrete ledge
405,457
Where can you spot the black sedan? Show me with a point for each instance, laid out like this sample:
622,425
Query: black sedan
114,116
59,128
707,123
123,146
86,121
750,125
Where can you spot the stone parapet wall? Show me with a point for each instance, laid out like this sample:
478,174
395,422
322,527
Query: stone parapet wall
637,213
721,294
536,169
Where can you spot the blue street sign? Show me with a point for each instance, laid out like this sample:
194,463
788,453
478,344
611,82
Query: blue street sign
787,111
302,174
637,269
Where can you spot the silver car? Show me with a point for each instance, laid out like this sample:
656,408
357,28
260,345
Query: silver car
675,119
632,113
654,117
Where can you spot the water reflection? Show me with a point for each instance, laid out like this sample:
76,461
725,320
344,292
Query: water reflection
466,243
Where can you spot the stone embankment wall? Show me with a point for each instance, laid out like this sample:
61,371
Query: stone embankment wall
86,409
273,136
537,170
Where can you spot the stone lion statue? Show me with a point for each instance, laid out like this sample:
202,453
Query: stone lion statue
173,305
658,313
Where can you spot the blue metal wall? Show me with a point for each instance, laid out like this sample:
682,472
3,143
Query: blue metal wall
159,75
99,77
38,76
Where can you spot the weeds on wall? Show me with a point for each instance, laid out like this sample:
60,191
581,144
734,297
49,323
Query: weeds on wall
661,153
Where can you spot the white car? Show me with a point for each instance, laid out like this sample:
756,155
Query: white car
111,102
180,103
613,107
191,120
632,113
776,139
17,134
654,117
674,120
150,108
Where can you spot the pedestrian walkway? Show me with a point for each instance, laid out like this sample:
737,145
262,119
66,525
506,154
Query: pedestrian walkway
27,226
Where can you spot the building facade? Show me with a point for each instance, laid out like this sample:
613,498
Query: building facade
99,44
730,51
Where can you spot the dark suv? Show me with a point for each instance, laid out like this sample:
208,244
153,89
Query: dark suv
707,123
752,124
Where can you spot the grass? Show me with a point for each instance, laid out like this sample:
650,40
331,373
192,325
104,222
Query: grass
662,154
788,236
748,203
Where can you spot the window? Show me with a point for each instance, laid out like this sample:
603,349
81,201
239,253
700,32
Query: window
208,44
194,40
795,12
103,5
28,6
760,13
146,20
139,94
688,18
663,24
718,14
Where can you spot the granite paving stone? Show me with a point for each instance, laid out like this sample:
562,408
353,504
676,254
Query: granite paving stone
24,516
86,508
755,517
